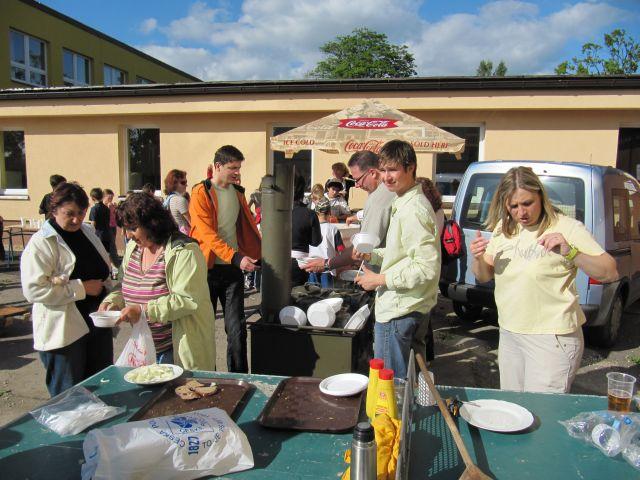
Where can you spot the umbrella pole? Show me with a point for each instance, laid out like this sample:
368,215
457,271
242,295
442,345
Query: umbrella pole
277,201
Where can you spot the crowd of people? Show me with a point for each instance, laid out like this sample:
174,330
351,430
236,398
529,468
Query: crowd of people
186,253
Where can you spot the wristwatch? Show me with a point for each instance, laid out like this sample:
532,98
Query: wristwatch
572,253
326,264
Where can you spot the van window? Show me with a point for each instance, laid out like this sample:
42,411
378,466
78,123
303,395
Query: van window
620,204
567,194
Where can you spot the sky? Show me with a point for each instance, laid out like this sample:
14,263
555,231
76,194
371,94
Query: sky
281,39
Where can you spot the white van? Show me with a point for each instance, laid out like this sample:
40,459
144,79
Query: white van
605,199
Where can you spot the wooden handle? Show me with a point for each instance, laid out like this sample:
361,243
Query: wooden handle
445,413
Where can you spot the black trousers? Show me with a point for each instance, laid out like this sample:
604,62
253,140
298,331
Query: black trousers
226,283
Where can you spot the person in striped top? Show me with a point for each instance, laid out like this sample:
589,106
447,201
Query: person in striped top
164,282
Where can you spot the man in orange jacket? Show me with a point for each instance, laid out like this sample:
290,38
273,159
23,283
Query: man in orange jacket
223,225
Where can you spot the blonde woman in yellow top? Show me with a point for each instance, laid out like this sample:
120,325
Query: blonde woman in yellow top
534,254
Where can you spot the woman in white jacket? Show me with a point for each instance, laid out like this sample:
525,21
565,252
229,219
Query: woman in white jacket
65,274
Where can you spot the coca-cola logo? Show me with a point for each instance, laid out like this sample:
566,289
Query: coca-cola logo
364,123
371,145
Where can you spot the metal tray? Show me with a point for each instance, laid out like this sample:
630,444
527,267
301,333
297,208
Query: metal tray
298,404
231,394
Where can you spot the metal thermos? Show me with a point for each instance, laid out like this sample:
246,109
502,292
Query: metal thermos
363,453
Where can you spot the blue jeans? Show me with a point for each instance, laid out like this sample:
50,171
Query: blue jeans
69,365
325,280
165,357
392,341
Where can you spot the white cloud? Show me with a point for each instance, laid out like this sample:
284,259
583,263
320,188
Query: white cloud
280,39
148,25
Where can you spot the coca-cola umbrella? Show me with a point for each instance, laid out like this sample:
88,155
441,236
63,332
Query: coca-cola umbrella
367,126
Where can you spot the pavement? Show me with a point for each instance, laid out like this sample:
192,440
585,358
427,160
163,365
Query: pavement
466,351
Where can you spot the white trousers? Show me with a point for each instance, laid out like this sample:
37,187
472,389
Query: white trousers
539,362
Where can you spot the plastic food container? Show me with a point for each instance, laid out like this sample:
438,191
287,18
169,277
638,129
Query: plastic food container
365,242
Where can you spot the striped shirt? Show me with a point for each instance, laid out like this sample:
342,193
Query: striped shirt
139,288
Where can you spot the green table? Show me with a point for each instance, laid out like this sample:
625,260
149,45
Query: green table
28,450
544,451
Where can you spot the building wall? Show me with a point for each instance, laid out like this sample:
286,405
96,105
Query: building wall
59,34
85,139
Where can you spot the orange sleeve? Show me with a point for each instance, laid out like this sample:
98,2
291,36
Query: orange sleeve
204,228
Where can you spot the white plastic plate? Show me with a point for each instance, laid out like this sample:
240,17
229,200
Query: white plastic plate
177,371
344,384
349,275
358,318
496,415
106,319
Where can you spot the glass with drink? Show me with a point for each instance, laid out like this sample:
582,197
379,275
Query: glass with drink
620,391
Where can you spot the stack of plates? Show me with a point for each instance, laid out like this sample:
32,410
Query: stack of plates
357,319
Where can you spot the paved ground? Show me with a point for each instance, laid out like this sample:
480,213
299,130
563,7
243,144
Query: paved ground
466,352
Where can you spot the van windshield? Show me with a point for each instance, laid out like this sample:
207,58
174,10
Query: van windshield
566,193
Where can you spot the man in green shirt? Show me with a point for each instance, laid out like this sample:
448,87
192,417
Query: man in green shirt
407,285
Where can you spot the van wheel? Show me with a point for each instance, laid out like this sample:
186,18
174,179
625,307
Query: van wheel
466,311
605,336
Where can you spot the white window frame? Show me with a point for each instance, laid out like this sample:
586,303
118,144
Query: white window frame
271,160
14,193
125,146
110,67
26,66
75,56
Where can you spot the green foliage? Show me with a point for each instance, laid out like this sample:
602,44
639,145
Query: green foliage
485,69
623,57
364,54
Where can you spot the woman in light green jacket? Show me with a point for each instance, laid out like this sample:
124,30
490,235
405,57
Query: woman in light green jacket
164,281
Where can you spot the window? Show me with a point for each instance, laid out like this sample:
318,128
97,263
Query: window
28,59
13,168
76,68
620,204
143,81
114,76
567,194
143,146
301,159
449,170
634,209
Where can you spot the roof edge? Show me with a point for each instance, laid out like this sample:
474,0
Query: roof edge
541,82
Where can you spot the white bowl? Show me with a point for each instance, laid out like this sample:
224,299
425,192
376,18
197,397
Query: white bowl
334,303
293,316
302,262
105,319
321,314
365,242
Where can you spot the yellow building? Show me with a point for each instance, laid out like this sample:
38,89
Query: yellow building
41,47
122,137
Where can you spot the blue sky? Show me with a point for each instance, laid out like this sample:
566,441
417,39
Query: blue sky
280,39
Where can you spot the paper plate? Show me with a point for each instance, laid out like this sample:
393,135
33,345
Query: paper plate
357,319
496,415
177,371
106,319
344,384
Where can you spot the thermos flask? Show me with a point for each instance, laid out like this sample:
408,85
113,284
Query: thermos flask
363,453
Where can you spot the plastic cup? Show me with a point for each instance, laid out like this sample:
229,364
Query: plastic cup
620,391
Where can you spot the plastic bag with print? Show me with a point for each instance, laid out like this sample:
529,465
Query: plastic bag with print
139,349
183,446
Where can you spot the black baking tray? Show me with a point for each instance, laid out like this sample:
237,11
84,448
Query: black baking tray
232,394
298,404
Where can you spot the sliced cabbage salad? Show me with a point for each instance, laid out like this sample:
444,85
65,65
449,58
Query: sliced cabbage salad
150,373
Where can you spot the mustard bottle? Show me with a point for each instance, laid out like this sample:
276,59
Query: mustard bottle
375,365
386,394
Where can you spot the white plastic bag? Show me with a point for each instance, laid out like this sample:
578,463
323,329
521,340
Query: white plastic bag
139,349
183,446
75,410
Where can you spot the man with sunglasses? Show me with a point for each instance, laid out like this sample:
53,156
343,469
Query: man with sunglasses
364,168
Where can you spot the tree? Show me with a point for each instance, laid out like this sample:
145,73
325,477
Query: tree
364,54
623,57
486,66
